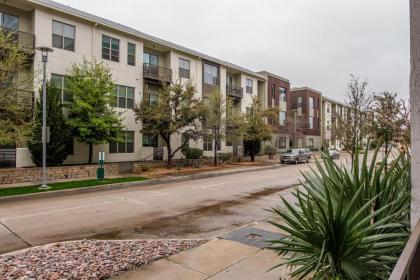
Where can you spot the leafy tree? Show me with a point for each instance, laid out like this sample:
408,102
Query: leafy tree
352,128
91,118
255,129
177,111
15,91
220,122
405,137
61,140
388,122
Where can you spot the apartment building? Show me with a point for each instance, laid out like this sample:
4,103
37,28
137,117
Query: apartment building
277,96
140,65
307,114
331,110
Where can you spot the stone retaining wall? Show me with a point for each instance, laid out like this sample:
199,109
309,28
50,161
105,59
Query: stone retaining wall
34,174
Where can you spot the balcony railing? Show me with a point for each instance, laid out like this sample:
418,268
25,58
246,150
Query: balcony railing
24,39
408,265
157,72
234,91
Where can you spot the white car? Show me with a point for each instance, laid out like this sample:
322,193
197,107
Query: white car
334,154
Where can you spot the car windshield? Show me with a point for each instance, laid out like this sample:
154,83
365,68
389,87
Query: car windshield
294,151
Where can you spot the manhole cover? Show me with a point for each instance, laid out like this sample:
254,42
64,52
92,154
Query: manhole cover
252,236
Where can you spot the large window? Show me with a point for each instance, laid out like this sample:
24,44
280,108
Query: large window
63,35
151,94
310,142
311,122
207,144
273,94
249,85
126,146
9,21
282,118
131,54
211,74
150,140
311,102
110,48
150,59
283,94
184,68
299,101
61,83
123,97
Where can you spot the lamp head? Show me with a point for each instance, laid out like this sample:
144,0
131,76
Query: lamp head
44,51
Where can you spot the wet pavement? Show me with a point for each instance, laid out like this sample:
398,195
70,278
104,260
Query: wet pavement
202,208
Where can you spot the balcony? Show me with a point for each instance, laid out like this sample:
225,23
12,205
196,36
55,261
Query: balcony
24,39
234,91
157,72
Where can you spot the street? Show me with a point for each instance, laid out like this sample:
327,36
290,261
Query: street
202,208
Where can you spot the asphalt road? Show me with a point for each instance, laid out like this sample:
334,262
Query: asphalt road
201,208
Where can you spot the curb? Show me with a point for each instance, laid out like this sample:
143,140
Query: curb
119,186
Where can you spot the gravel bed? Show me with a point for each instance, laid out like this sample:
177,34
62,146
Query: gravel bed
87,259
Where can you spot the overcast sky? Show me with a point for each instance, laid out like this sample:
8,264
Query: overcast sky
314,43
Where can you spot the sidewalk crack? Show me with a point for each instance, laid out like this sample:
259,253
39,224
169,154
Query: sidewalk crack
15,234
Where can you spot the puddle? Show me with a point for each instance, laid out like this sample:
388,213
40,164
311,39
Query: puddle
199,221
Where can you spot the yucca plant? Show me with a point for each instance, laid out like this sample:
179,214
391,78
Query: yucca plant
348,222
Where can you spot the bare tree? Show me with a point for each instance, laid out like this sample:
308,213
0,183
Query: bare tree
353,127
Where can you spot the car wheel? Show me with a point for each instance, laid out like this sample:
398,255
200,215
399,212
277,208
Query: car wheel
282,162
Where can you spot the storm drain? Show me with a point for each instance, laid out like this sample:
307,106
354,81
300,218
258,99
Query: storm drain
252,236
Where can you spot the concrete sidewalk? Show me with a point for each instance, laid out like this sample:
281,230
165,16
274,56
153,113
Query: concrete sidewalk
237,255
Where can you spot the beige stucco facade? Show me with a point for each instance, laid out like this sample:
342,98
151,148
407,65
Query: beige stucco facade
36,17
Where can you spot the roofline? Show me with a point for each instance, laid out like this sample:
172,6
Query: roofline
334,101
305,88
266,73
126,29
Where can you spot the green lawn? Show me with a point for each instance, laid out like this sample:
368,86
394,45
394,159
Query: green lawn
67,185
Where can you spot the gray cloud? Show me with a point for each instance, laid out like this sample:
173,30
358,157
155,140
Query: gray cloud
315,43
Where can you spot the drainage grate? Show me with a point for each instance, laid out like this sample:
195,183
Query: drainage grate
252,236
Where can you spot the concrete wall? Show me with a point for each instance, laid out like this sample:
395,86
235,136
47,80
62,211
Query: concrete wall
415,109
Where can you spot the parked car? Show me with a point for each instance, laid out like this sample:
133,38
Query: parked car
294,156
308,152
334,154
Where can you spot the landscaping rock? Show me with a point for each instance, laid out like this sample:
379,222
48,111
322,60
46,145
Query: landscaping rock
87,259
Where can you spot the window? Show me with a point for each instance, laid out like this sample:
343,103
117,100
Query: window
126,146
61,82
218,145
150,140
328,107
311,122
211,74
249,85
184,68
131,54
310,142
282,143
63,36
273,94
207,144
150,59
9,21
123,97
110,48
299,101
283,94
229,81
151,94
282,118
311,102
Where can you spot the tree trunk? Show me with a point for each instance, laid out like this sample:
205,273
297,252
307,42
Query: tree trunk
90,152
215,153
169,163
252,155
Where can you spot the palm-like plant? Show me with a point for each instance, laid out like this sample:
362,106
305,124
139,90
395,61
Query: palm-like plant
348,223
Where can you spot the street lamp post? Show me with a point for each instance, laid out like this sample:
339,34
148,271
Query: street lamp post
44,51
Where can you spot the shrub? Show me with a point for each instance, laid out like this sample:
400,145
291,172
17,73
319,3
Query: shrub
269,150
192,153
373,144
144,168
224,156
347,224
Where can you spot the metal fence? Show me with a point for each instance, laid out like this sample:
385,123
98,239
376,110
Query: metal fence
7,157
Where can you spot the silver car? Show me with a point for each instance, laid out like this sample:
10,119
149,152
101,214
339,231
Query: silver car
334,154
295,156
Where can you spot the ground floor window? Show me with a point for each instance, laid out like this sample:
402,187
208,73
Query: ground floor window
310,142
218,145
207,144
150,140
283,143
126,146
